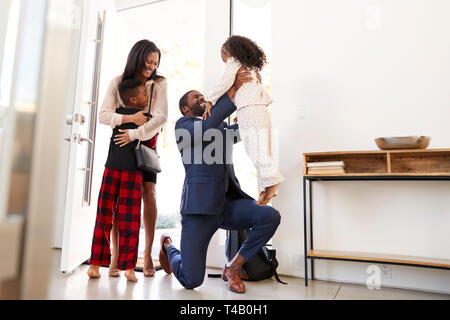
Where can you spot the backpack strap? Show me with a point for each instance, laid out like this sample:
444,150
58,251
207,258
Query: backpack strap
275,274
270,255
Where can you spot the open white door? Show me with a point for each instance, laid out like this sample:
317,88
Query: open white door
80,210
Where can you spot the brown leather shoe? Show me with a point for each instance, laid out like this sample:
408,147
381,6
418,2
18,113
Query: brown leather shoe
163,259
233,276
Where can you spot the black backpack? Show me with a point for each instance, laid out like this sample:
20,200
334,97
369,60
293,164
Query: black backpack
262,266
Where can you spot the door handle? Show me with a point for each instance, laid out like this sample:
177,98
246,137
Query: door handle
81,139
78,138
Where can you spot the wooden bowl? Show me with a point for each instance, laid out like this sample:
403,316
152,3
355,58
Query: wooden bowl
399,143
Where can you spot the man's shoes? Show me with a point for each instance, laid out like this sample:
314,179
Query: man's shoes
233,276
163,259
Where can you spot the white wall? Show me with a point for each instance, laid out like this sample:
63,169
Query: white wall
362,69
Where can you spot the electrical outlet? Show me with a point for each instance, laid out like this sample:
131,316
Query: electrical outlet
386,271
297,261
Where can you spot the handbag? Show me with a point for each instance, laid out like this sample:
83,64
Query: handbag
147,158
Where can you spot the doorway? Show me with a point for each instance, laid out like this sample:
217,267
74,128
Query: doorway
177,27
189,35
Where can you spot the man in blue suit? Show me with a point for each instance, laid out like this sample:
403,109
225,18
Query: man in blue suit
212,197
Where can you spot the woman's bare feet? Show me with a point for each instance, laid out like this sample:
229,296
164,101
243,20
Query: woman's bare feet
130,275
113,271
93,272
149,269
262,199
270,193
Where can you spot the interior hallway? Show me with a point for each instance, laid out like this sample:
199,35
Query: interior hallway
77,286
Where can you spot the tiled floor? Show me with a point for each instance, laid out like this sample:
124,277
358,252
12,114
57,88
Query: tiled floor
77,286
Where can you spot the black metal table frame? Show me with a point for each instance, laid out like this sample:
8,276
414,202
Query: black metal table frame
310,179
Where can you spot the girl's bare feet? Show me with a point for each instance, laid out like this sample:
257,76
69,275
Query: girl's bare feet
93,272
270,193
149,269
113,271
129,274
262,199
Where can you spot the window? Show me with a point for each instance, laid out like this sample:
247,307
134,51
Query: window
177,27
252,19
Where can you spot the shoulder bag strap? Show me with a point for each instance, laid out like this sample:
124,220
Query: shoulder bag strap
150,103
149,107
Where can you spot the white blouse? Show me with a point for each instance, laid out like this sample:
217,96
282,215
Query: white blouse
250,93
112,101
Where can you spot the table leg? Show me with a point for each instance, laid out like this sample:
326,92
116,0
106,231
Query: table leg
311,228
305,232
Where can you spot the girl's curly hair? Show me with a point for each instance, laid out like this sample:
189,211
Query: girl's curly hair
246,51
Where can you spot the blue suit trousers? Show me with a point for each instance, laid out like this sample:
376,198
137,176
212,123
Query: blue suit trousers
189,265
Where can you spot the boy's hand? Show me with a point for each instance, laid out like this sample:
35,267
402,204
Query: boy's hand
207,110
139,118
122,139
235,119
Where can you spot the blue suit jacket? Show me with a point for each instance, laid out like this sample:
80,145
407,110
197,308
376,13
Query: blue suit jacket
204,184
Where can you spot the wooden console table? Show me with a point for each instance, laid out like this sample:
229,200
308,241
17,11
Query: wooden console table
433,164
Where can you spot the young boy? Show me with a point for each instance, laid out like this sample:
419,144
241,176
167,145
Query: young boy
120,193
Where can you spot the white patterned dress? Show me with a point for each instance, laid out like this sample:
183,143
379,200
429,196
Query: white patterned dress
255,123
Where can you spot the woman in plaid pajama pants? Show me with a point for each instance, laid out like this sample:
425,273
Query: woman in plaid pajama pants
121,193
142,63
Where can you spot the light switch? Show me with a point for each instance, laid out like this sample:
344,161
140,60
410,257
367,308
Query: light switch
301,112
374,19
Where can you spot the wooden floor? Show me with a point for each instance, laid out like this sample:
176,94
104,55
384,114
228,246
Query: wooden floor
140,264
78,286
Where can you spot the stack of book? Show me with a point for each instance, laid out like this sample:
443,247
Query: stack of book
326,168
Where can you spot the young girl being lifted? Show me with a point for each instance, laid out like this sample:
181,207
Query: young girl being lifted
251,100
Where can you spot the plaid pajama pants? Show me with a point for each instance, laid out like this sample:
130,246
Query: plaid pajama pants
121,194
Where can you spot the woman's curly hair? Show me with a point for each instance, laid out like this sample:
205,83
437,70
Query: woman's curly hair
246,51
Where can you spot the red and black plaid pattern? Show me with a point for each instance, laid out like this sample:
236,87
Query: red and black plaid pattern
121,194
